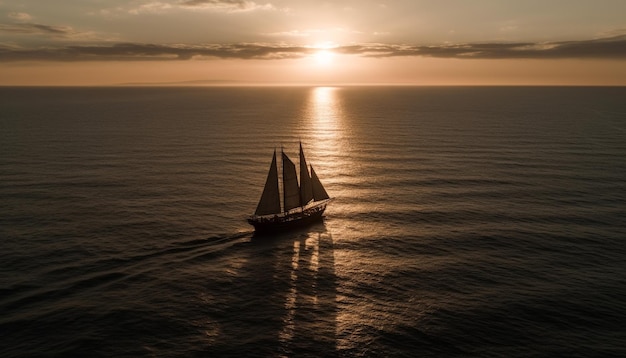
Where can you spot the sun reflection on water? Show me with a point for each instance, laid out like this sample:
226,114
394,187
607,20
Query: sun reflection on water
327,132
324,121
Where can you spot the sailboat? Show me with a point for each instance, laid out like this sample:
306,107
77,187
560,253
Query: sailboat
302,203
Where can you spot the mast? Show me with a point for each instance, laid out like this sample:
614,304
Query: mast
306,190
270,199
319,193
291,191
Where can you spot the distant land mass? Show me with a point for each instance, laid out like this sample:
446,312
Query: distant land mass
185,83
252,83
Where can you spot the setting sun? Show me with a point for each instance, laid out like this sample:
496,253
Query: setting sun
323,57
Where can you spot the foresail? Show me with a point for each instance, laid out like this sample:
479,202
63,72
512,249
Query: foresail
306,189
319,193
291,191
270,199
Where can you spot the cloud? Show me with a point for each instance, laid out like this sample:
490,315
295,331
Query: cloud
148,52
151,7
37,29
337,31
605,48
159,7
293,33
613,33
51,32
225,5
20,16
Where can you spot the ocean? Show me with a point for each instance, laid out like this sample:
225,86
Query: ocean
465,221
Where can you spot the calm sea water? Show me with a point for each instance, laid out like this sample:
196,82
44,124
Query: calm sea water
465,222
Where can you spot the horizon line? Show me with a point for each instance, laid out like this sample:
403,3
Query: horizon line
187,84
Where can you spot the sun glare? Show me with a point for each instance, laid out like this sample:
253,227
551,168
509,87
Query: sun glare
323,57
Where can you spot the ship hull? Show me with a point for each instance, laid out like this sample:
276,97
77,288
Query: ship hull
287,222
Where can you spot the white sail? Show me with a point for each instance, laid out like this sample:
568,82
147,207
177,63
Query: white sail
291,191
306,189
270,199
319,193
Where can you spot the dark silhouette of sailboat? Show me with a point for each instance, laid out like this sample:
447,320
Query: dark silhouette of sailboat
302,203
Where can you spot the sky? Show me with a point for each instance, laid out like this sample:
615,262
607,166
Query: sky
282,42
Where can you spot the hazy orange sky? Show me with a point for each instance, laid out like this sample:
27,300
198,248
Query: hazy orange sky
445,42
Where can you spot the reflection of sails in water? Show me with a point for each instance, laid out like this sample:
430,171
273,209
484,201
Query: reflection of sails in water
309,323
302,204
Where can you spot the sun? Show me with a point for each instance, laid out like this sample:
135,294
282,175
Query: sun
324,57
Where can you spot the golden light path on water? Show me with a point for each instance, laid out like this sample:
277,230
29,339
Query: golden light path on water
323,125
313,256
315,264
326,133
326,262
337,157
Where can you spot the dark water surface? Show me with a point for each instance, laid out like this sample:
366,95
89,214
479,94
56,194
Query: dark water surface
466,222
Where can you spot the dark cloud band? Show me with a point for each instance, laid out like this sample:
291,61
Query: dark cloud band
605,48
35,29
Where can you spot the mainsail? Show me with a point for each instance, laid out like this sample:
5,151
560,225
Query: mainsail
291,191
270,199
306,189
